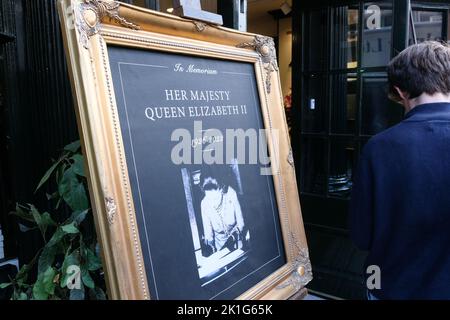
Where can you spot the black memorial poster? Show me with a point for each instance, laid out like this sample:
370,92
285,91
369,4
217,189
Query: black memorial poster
207,230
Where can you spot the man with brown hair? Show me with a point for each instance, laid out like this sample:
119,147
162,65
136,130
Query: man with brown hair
400,207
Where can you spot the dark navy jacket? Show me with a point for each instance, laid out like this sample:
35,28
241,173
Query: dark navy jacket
400,207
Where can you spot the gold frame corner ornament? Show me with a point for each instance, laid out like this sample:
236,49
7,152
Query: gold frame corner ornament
265,47
90,13
301,273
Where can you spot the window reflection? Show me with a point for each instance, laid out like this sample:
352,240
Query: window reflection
428,25
377,34
317,55
314,166
140,3
378,112
344,103
341,168
345,37
315,104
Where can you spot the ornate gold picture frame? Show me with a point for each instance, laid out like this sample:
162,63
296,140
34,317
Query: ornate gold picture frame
99,36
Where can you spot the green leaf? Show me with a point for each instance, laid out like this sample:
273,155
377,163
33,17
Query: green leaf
22,275
43,221
24,228
36,217
86,278
97,294
50,250
48,174
22,296
5,285
70,228
27,216
78,164
60,173
78,216
39,291
52,196
47,220
19,295
73,147
56,238
77,294
92,261
70,260
73,191
44,285
47,257
58,203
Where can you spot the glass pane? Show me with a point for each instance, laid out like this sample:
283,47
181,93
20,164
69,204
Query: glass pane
314,165
158,5
342,155
140,3
378,112
343,103
345,37
315,104
316,35
429,25
377,34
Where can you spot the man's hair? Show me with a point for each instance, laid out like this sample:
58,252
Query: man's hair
421,68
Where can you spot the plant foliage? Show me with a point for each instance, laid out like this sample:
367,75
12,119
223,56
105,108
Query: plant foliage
68,265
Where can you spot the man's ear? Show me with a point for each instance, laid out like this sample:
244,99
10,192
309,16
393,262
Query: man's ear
402,94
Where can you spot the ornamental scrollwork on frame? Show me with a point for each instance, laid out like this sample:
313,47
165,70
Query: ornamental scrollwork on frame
111,209
302,269
200,26
265,47
90,13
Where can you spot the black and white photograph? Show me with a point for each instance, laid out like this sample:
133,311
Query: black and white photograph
217,219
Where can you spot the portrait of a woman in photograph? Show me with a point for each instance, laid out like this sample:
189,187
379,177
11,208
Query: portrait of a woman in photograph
222,219
221,236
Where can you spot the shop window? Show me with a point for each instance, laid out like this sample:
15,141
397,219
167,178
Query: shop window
341,167
315,111
428,25
344,102
151,4
378,112
314,165
316,42
345,37
344,90
377,34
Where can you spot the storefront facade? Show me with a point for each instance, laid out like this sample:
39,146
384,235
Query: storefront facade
340,52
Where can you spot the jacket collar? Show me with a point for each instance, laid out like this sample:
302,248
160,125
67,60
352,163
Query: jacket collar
429,111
